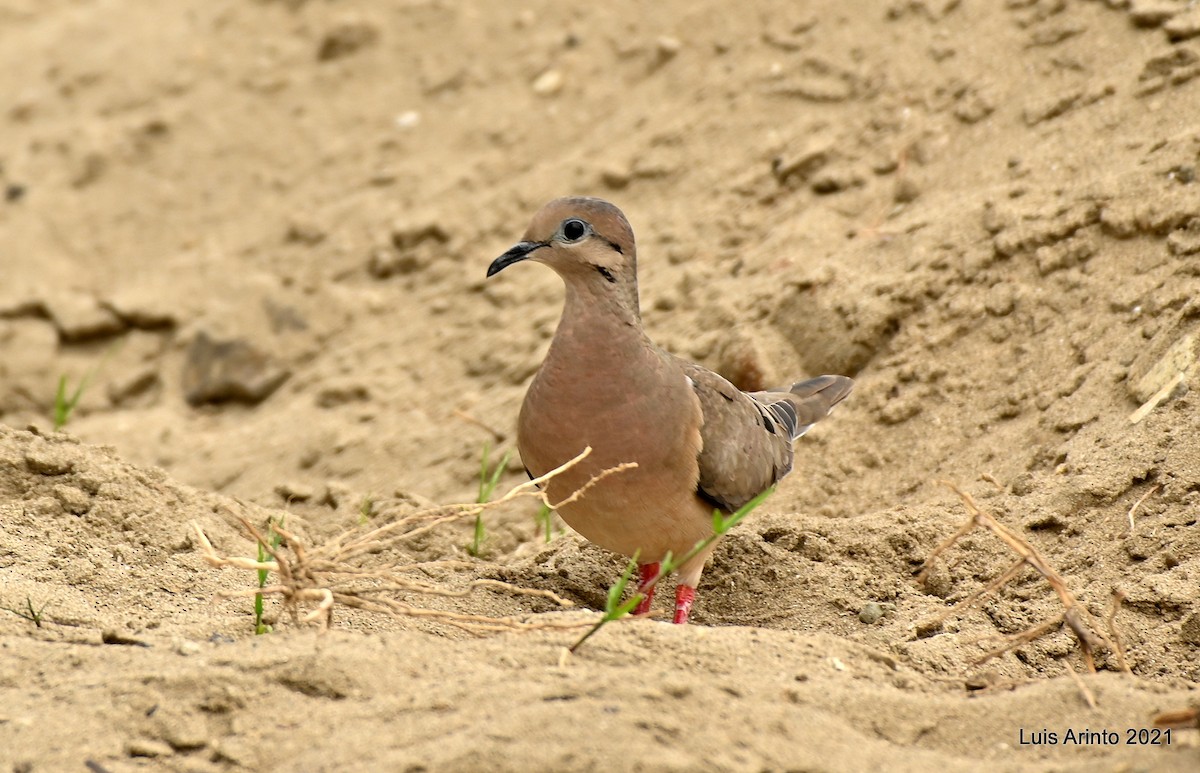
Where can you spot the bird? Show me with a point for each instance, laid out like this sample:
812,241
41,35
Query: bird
699,443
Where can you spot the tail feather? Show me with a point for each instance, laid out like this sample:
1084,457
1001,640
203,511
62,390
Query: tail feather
802,405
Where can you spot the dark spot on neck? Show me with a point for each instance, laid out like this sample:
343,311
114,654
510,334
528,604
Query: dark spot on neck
615,246
608,275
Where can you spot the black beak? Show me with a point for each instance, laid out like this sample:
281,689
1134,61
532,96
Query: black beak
515,255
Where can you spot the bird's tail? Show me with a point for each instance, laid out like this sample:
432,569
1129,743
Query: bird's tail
804,403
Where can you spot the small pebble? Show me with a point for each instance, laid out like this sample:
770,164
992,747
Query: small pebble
145,747
870,613
666,48
48,461
548,83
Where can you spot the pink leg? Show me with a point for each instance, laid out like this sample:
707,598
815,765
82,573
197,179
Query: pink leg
648,573
684,596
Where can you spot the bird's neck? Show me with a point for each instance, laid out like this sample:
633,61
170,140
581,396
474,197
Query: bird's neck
601,329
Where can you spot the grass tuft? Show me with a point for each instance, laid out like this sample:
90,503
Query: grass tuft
275,538
66,401
343,570
64,405
366,508
545,520
29,613
489,479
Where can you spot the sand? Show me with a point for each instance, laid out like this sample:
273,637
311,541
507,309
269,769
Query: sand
259,231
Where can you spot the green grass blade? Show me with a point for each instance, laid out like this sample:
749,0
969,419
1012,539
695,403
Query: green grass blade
614,610
276,539
545,518
61,410
483,472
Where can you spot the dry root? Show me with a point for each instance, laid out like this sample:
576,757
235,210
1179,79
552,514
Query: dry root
1074,615
334,573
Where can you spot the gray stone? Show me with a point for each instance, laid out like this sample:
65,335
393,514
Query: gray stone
229,371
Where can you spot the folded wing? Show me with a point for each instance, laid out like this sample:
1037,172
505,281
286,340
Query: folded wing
748,436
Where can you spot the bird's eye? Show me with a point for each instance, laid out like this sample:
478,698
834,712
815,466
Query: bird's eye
573,230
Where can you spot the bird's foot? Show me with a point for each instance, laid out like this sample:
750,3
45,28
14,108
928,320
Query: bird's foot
647,573
684,596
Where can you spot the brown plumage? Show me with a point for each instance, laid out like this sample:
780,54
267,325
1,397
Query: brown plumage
698,441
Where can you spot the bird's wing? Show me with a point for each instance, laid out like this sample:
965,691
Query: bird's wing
748,437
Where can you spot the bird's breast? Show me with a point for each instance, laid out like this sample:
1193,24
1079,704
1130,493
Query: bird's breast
640,410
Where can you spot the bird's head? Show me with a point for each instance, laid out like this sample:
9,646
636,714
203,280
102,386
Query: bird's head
588,242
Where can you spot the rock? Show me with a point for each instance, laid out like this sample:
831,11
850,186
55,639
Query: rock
386,262
409,119
146,747
74,500
413,231
905,190
290,491
1173,351
142,308
130,385
1184,25
1185,241
835,179
80,317
803,165
346,37
48,460
234,370
1174,68
870,613
548,83
1189,632
341,392
615,177
1152,13
304,232
665,49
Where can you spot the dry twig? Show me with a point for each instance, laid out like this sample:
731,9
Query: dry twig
1074,615
1110,622
1179,719
1084,690
1153,490
334,573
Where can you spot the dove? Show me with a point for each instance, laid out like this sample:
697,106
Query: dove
699,443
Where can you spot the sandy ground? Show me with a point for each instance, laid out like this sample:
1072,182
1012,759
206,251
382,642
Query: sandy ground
259,229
